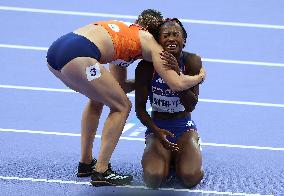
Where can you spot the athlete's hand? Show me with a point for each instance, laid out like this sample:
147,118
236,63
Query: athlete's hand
162,134
202,73
170,61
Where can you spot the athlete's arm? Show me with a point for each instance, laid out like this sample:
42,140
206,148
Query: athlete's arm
120,74
193,63
195,66
151,50
189,97
143,76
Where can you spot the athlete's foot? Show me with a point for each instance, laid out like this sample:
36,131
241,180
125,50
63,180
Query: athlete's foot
85,170
110,178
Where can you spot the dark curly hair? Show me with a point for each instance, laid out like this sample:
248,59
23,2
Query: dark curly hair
150,19
157,35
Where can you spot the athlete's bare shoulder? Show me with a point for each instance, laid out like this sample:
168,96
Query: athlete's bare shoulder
146,36
149,45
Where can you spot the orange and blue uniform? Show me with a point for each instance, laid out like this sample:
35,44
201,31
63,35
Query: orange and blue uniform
125,38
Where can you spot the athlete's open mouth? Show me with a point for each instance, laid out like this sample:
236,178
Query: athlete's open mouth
172,46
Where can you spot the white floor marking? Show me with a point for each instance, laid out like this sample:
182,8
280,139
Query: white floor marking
131,187
132,17
258,63
140,139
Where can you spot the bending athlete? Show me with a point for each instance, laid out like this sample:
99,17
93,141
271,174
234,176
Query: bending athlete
150,20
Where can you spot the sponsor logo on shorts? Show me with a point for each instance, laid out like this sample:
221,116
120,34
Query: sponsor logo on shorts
190,123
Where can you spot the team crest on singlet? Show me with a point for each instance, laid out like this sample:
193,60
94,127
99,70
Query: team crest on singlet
114,27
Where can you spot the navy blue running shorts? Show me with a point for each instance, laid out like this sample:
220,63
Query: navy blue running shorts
68,47
177,126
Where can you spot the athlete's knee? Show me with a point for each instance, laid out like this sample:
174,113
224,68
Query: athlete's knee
124,105
152,178
153,173
191,178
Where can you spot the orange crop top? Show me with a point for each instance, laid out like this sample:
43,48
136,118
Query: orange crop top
126,41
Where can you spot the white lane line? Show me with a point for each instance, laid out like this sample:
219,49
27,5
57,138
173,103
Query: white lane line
242,103
128,186
259,63
199,191
122,16
23,47
40,132
133,95
242,146
43,180
44,89
127,127
140,139
37,88
65,12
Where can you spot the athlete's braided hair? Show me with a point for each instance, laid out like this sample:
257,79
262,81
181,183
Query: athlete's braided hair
150,19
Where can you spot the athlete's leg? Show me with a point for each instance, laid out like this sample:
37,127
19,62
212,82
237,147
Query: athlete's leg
89,125
82,76
189,160
155,162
